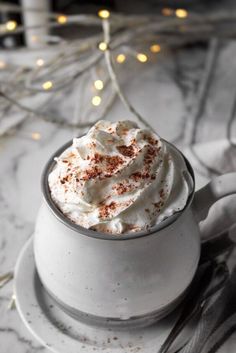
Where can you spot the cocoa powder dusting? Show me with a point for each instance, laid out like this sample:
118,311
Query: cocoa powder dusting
150,140
127,151
105,210
136,176
162,193
91,173
65,179
97,158
103,166
112,163
158,206
122,188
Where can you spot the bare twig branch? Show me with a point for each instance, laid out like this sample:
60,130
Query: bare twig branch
230,123
54,119
193,121
110,67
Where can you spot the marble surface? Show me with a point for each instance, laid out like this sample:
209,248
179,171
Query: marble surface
165,92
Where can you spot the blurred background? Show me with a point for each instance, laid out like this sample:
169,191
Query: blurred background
91,7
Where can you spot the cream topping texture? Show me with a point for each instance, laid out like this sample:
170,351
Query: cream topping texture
119,178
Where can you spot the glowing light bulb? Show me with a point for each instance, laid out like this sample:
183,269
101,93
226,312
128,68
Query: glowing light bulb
96,100
62,19
102,46
155,48
34,39
98,84
39,62
166,11
104,14
11,25
121,58
181,13
142,57
47,85
2,64
36,136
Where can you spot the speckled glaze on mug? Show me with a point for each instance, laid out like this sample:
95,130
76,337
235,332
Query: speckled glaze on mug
126,280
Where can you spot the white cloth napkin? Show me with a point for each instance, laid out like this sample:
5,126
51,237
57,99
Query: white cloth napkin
217,322
218,319
208,161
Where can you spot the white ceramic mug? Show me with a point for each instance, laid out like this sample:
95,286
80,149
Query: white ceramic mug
127,280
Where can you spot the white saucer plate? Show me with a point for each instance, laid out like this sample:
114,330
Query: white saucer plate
60,333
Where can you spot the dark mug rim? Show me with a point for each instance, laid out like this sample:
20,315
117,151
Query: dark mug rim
101,235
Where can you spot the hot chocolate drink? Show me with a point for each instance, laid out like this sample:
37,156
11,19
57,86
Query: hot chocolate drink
119,178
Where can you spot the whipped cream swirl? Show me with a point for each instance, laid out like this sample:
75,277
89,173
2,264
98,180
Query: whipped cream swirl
119,178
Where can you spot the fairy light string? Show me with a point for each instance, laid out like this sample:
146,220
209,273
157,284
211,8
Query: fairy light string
111,70
149,32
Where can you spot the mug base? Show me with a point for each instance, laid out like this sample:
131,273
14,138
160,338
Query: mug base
134,322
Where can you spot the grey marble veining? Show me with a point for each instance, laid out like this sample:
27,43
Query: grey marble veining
164,92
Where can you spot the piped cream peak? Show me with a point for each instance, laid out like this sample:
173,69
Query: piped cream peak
119,178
